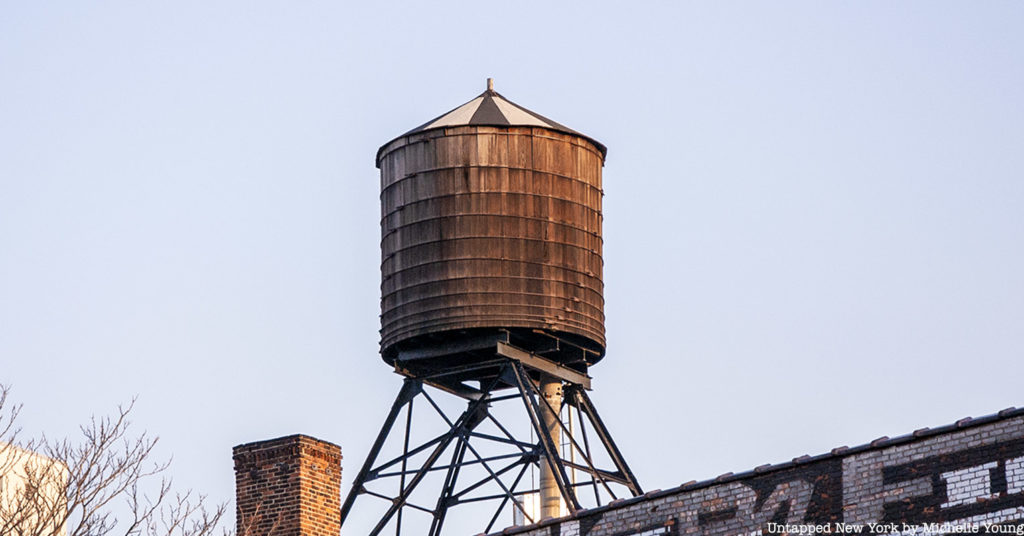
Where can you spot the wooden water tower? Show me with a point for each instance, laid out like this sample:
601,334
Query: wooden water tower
492,283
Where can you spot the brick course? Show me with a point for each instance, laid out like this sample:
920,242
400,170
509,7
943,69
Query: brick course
289,486
968,472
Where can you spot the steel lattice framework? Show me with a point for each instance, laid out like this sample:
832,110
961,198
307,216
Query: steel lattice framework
465,444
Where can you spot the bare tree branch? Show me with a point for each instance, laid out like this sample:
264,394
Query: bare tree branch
73,487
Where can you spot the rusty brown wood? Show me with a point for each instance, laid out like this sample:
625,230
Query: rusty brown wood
488,227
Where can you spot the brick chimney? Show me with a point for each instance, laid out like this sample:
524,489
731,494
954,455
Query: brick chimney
289,486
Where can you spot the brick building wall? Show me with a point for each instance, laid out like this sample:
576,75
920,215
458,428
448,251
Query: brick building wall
969,474
290,486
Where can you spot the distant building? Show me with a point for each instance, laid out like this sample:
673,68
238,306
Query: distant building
32,493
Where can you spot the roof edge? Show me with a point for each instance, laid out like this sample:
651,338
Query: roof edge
838,452
552,125
600,146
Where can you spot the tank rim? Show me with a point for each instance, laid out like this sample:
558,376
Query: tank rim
600,146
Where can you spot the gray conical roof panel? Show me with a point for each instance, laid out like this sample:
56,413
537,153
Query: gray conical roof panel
490,108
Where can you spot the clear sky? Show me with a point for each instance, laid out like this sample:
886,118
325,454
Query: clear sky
814,213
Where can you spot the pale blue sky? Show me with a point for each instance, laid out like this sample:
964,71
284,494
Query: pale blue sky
814,220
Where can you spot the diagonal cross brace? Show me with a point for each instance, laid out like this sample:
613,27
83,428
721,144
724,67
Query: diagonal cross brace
579,396
469,418
410,388
550,450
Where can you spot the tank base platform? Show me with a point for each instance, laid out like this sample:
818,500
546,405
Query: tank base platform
458,362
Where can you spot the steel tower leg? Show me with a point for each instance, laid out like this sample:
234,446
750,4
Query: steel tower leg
543,391
410,388
469,419
585,405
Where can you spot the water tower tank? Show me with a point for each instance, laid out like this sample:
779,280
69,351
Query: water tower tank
491,227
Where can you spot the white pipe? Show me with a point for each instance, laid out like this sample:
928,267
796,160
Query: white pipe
550,495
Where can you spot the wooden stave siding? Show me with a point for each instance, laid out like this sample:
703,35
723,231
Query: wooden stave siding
491,227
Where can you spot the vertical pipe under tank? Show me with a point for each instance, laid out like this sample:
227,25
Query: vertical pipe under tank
550,495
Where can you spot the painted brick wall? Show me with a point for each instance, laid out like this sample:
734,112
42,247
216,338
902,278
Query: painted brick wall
967,474
290,486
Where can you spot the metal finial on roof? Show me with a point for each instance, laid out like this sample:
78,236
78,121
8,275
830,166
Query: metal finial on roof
490,84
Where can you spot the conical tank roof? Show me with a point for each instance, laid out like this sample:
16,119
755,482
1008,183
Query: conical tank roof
491,109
